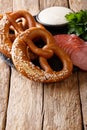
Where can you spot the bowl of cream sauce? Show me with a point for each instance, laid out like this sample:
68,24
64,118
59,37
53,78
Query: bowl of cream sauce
53,16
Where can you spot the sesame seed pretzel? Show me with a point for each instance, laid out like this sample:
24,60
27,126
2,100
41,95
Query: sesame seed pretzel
9,22
24,64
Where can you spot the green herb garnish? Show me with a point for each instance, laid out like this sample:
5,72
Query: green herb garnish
78,23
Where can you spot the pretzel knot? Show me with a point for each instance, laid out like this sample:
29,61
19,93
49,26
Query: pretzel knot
24,64
17,22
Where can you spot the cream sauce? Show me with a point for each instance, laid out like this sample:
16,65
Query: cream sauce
54,15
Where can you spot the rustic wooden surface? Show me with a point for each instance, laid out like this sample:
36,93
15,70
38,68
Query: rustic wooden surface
26,105
77,5
4,89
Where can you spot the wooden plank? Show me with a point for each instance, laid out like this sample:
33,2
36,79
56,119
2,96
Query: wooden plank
4,89
78,5
5,6
25,104
30,5
83,94
62,105
48,3
61,100
56,107
26,97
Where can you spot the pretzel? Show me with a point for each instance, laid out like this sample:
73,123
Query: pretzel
1,16
9,22
24,64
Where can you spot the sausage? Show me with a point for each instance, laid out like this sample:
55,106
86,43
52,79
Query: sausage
79,57
75,47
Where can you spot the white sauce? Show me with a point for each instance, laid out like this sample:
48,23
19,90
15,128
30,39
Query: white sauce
54,15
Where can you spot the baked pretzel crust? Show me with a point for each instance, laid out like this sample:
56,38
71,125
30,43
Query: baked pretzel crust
24,64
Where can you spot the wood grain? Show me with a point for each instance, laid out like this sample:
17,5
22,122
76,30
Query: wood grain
77,5
83,94
37,106
49,3
4,89
25,104
62,105
5,6
61,101
30,5
29,109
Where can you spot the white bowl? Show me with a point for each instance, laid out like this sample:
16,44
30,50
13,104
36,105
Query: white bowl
53,16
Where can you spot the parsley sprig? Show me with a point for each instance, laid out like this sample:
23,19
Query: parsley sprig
78,23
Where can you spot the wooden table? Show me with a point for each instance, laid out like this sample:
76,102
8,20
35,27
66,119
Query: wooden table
27,105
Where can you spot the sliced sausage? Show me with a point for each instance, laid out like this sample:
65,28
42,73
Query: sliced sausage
75,47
